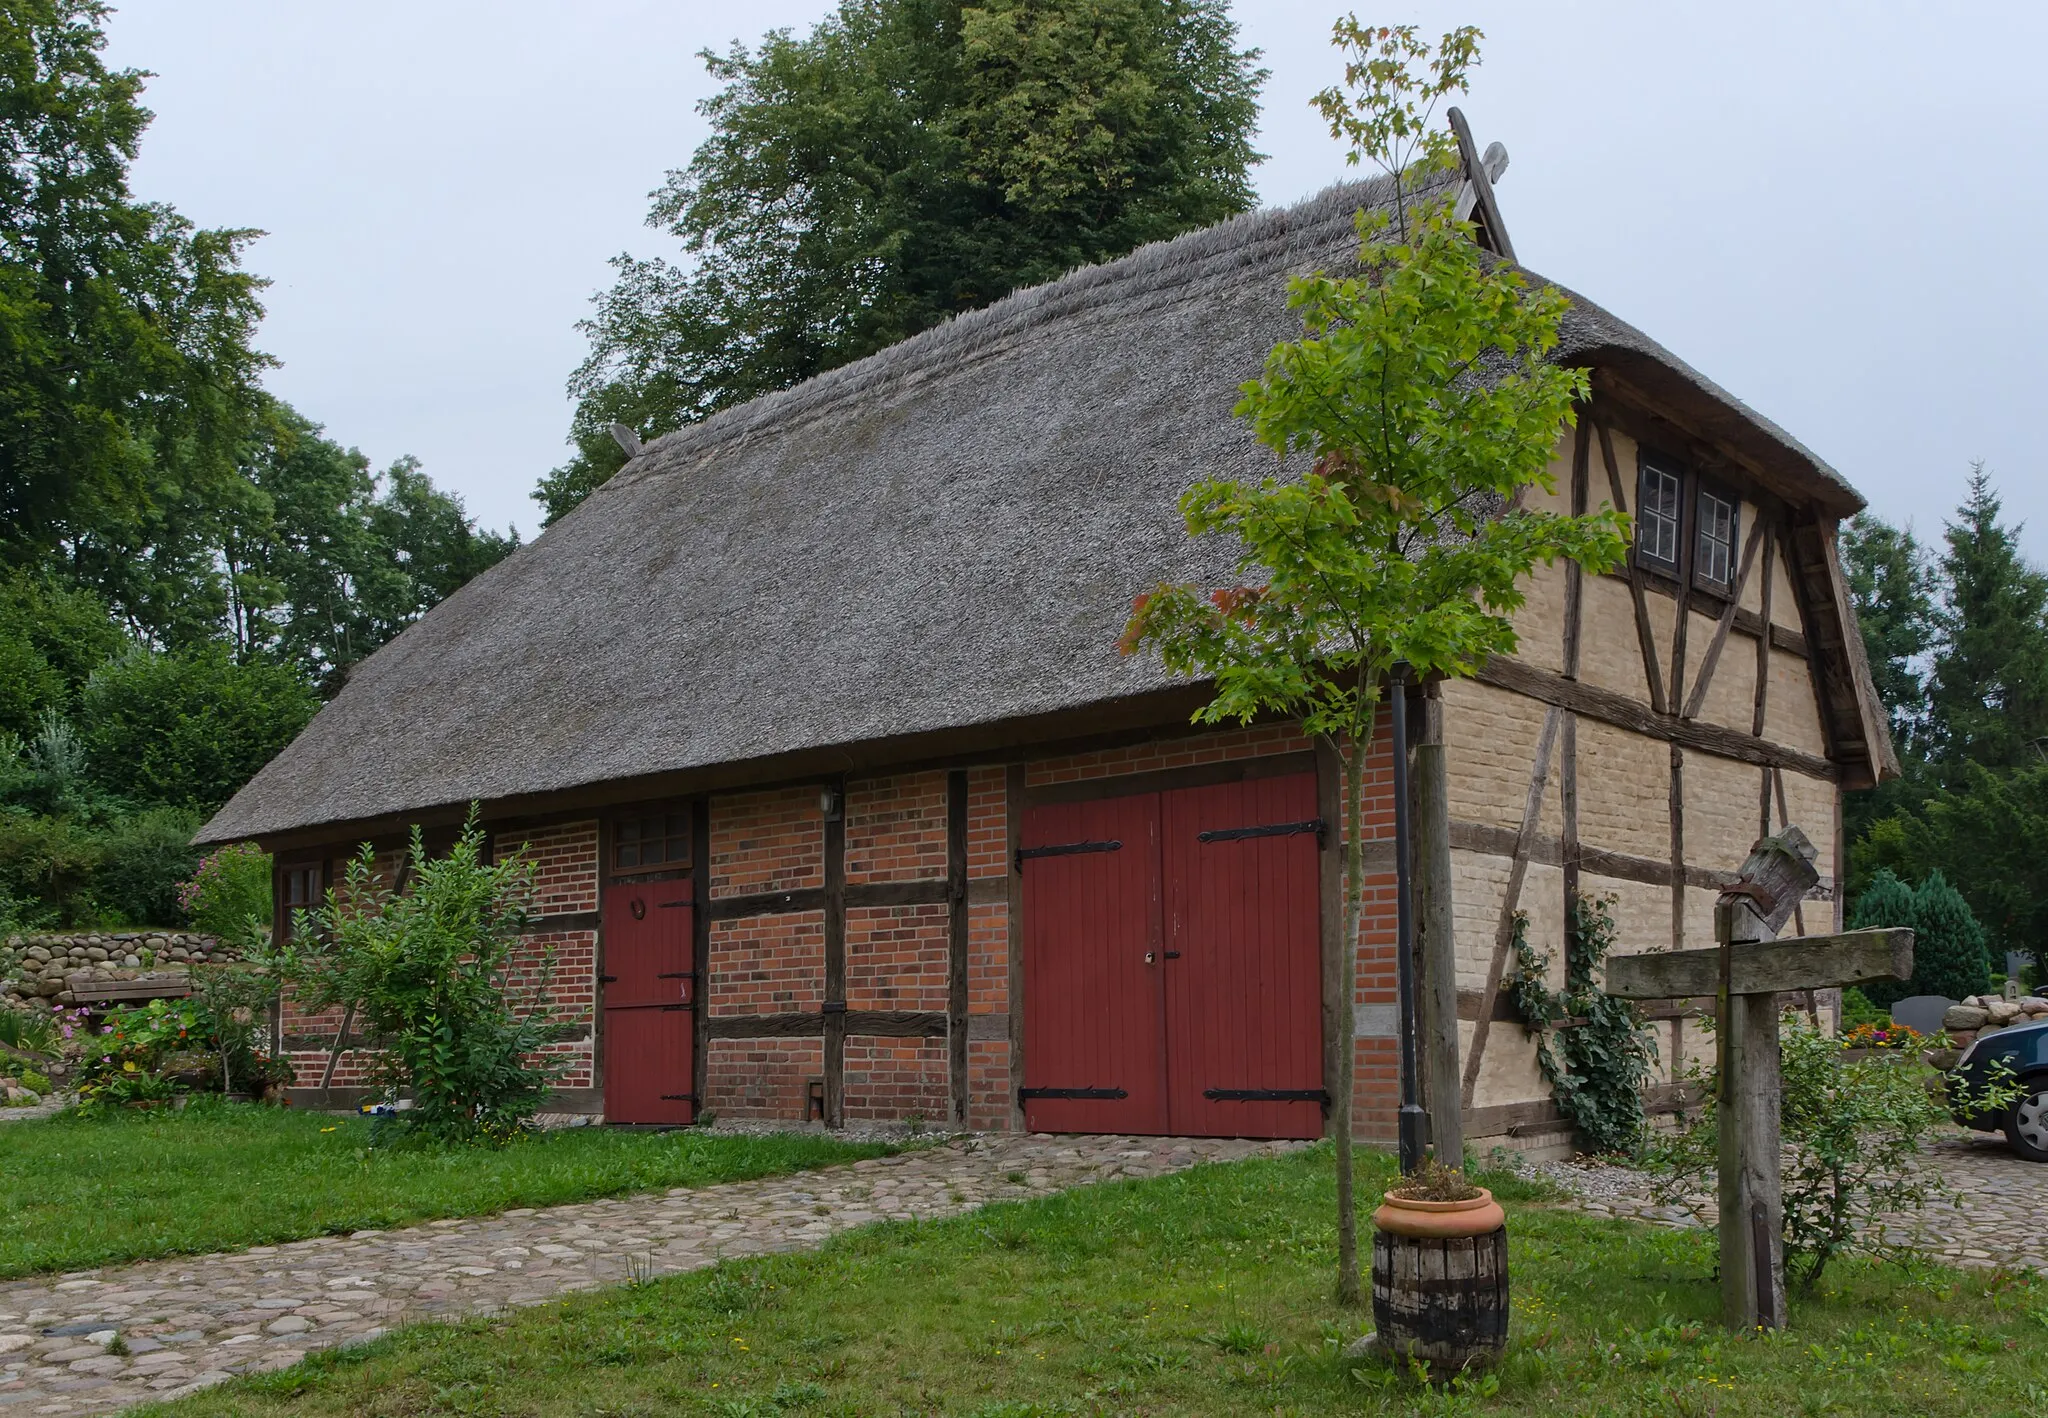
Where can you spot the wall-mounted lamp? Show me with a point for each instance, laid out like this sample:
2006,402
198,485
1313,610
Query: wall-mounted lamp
831,803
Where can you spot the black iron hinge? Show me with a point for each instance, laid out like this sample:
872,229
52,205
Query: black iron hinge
678,1097
1065,849
1268,1095
1274,829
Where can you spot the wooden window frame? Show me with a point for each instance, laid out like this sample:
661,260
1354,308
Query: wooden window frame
1704,488
673,866
1650,464
322,870
1684,569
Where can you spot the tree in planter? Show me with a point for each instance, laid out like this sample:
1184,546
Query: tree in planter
1423,395
434,975
1596,1069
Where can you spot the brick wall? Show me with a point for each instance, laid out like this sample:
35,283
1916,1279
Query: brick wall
894,1079
760,1078
769,964
896,828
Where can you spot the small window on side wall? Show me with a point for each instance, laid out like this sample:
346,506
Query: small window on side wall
1714,556
303,885
1659,517
651,842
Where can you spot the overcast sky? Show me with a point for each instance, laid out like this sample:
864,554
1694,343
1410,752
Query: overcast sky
1834,209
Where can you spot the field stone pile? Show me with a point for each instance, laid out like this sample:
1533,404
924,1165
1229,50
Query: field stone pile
1987,1014
33,968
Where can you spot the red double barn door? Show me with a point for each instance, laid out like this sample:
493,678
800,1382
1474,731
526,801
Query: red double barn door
649,974
1172,949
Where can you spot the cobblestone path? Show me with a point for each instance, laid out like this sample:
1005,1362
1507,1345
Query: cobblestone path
189,1323
1999,1216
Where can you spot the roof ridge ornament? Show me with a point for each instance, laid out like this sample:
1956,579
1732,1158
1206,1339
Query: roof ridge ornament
1475,195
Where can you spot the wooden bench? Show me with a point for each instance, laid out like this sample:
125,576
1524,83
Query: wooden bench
89,989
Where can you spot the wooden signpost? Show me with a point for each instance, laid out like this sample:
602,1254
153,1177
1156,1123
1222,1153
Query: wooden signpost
1746,972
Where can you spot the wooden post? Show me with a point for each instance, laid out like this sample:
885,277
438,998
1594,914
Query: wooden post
1747,970
833,804
1436,947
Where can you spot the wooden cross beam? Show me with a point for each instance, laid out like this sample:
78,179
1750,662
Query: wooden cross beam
1746,972
1476,199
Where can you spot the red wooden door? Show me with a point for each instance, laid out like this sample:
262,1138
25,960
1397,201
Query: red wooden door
1094,1042
1244,1015
648,987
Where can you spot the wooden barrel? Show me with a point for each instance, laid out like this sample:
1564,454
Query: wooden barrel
1443,1300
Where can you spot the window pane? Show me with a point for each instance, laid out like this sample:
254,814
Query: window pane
1657,532
629,854
1716,552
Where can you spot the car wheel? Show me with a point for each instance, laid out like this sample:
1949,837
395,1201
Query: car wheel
2026,1126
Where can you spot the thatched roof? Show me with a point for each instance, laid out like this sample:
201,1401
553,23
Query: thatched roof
945,534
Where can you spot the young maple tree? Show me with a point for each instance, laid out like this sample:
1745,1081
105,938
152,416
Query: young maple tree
1423,402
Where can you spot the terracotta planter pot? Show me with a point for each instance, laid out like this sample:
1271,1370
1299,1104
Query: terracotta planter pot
1440,1281
1475,1216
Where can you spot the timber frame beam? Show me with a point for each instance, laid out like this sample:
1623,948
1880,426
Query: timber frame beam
1620,711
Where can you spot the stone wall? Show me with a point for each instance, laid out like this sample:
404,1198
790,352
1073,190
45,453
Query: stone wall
33,968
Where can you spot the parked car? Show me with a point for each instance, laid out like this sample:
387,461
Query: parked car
2024,1048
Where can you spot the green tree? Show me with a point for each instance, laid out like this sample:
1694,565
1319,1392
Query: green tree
1988,694
1884,901
1949,955
126,361
332,560
51,638
1894,590
186,728
1948,944
1424,401
1988,836
906,161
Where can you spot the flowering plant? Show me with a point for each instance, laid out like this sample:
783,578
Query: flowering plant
1883,1036
229,895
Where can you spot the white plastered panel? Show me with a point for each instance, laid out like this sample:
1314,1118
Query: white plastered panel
1490,738
1624,791
1610,652
1791,709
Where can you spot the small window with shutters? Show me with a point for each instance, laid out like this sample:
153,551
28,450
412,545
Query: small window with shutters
647,842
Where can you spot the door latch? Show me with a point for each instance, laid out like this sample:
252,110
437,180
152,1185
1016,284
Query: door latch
1148,957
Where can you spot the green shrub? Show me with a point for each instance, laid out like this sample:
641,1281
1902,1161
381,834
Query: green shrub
431,972
144,859
1949,956
229,895
1858,1010
48,869
1948,944
1853,1131
187,729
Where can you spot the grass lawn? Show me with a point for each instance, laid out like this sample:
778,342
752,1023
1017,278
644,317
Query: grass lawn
1206,1292
78,1192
